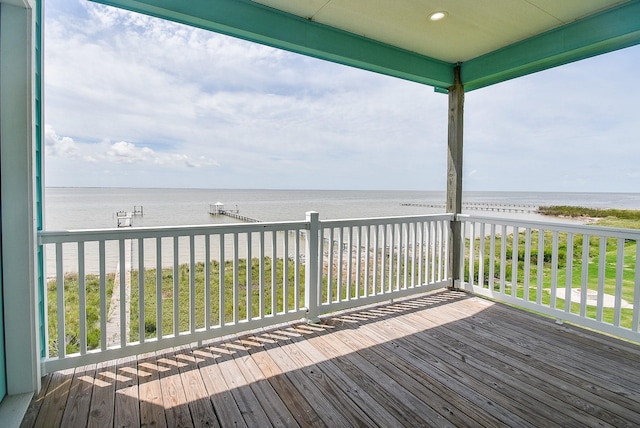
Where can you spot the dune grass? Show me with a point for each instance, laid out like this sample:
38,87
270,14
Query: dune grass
72,311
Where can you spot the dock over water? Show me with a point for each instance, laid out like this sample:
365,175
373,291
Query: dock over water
484,206
218,209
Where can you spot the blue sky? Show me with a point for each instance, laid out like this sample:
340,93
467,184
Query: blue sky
134,101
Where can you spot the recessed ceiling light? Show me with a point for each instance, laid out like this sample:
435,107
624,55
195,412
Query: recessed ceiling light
438,16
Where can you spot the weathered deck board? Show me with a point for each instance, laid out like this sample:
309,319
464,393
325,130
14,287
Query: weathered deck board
202,412
150,393
127,408
221,398
442,359
76,412
103,397
272,404
53,405
173,394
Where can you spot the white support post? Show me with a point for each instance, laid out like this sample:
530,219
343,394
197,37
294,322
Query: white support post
17,168
311,287
454,176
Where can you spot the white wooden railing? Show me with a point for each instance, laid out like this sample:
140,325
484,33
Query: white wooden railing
587,275
371,260
118,292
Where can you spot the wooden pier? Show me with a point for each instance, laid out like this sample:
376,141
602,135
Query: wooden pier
484,206
125,218
218,209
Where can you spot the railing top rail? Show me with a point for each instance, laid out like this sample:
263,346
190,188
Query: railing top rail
60,236
385,220
559,227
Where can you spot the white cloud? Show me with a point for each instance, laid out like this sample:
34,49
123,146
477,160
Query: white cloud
57,146
168,104
129,153
63,151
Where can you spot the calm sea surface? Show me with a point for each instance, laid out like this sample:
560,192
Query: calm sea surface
88,208
95,208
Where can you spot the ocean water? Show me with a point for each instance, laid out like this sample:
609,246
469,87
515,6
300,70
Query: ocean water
95,208
92,208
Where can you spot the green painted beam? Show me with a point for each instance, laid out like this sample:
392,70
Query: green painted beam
258,23
607,31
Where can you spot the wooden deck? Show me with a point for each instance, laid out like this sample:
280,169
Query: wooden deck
443,359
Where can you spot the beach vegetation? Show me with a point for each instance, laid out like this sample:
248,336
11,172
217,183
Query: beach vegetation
72,311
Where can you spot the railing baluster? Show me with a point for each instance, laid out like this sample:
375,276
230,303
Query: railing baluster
296,269
461,252
367,260
396,248
62,345
420,242
176,288
584,274
404,233
159,288
635,324
428,271
376,260
492,256
349,255
236,280
601,272
123,295
392,257
527,263
481,255
436,250
249,279
261,313
569,275
103,295
339,269
618,293
414,255
503,258
554,268
330,270
192,284
221,283
540,272
82,299
445,251
141,326
312,271
285,273
358,261
274,278
514,261
472,255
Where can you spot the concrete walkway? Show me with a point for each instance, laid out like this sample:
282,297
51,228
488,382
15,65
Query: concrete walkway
119,292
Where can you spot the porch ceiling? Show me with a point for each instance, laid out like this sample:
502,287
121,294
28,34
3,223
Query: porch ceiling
494,40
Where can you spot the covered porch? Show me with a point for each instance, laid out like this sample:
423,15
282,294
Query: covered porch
235,357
